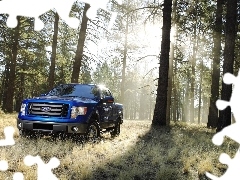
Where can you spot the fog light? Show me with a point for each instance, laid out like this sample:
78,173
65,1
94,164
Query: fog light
74,128
20,125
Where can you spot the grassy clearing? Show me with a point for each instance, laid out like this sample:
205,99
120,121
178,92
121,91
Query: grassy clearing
140,152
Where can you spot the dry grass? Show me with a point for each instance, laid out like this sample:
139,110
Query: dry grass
140,152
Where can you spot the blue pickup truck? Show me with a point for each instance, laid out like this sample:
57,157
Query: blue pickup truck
83,109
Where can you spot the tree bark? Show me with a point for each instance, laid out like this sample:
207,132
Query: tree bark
5,83
54,52
159,117
79,53
225,115
171,59
213,111
12,75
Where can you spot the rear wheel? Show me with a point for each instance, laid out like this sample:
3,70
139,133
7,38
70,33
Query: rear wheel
93,131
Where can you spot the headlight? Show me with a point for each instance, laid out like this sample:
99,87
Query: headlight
22,109
78,111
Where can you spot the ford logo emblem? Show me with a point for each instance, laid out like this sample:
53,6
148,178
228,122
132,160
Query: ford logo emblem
46,109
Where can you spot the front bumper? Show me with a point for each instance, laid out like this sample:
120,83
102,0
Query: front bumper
51,127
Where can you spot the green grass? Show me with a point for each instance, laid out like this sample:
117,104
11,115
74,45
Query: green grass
182,151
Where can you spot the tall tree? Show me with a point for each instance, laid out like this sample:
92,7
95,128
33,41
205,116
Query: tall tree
159,117
54,51
170,74
12,74
200,91
80,46
213,111
124,61
231,21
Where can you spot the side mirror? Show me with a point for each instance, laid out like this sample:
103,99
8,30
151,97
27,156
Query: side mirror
108,99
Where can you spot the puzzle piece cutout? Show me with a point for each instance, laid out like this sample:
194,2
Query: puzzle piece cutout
16,175
232,131
44,171
100,4
35,8
232,172
3,165
8,141
235,98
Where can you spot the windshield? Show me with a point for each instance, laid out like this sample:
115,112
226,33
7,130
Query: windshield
75,90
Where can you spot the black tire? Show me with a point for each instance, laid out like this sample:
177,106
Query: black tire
116,130
29,134
93,131
25,133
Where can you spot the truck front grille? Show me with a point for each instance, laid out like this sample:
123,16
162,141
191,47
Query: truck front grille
48,109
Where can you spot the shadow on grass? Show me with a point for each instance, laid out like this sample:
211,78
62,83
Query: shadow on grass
153,156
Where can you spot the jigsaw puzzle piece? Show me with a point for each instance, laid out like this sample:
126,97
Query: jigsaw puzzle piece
44,171
3,165
30,8
221,104
232,172
25,8
211,176
229,78
232,132
8,133
12,21
39,25
224,159
18,176
63,9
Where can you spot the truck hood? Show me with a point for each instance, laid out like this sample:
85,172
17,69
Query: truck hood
59,98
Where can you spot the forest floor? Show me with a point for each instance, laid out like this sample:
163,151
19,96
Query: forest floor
181,151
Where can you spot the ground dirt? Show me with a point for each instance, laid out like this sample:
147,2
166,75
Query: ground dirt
181,151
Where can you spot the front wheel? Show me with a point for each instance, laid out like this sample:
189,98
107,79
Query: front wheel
26,133
93,131
116,130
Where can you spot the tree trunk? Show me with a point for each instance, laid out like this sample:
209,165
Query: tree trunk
170,78
124,63
200,93
175,82
192,94
5,84
54,51
12,75
187,104
213,111
21,86
225,115
159,117
170,81
79,53
182,104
